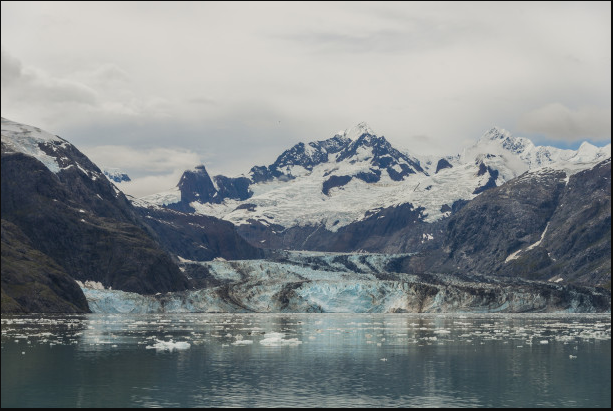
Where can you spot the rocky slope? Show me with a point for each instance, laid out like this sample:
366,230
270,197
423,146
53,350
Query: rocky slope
32,281
69,211
197,237
544,225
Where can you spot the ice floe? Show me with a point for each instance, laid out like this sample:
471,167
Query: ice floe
169,345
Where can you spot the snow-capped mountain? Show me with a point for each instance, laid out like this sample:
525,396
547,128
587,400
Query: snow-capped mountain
356,173
513,156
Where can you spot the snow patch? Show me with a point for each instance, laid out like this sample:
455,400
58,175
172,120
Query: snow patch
21,138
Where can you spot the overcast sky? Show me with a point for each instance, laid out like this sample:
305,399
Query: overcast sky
155,88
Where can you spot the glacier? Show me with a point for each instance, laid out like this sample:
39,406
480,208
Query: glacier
311,282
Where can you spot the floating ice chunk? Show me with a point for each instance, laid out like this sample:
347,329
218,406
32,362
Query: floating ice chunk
276,339
242,342
572,357
169,345
544,341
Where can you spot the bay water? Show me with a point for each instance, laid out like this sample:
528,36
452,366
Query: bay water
307,360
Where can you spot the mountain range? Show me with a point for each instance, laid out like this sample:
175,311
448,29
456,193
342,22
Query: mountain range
502,209
363,195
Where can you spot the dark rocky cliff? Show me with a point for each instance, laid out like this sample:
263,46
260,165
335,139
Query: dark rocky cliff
543,225
64,221
90,230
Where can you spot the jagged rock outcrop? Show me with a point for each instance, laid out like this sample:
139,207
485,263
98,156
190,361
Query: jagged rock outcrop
442,164
195,185
235,188
302,155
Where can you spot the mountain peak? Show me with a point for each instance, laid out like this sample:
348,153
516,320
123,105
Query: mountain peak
587,152
496,133
358,130
196,184
496,139
586,145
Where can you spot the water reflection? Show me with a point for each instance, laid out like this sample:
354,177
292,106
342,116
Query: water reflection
251,360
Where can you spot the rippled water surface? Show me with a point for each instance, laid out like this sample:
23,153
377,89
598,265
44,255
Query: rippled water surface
306,360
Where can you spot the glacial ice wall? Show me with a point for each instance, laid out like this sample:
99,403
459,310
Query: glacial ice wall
329,283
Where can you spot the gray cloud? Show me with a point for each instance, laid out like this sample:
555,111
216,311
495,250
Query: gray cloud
147,161
27,85
11,69
558,122
152,184
229,142
236,85
393,33
381,41
151,170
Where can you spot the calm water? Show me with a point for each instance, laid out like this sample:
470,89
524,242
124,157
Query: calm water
312,360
